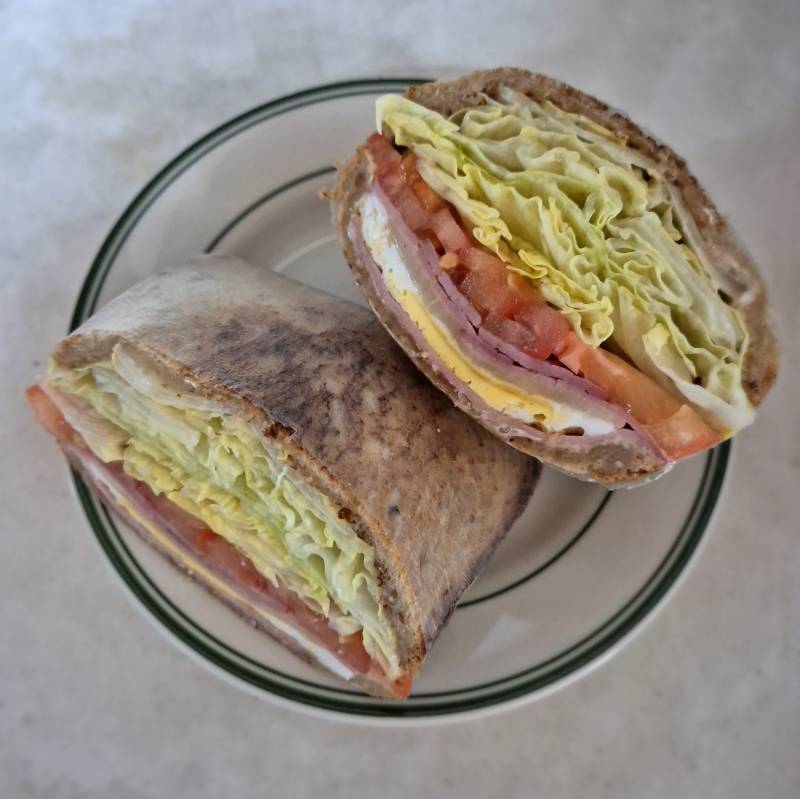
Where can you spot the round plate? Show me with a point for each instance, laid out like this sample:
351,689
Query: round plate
579,571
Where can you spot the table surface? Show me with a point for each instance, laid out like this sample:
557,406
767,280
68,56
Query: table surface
93,702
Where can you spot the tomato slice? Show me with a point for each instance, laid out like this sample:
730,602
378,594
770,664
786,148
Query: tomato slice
381,149
430,200
203,540
448,231
402,686
548,326
49,417
683,434
674,426
625,385
229,560
390,178
351,651
411,208
517,335
489,292
479,260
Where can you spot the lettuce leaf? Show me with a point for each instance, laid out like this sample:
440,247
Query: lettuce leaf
593,223
213,465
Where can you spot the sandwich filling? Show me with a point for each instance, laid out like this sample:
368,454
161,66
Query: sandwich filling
567,253
164,452
497,392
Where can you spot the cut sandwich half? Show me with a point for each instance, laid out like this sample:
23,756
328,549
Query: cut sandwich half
557,273
273,442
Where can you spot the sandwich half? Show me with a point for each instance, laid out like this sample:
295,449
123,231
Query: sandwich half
557,272
273,442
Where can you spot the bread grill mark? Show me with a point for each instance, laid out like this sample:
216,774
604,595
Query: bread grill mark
277,430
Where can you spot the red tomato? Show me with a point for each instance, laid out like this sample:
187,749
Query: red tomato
548,325
518,336
408,163
489,292
231,562
381,149
522,285
203,540
430,200
479,259
416,217
390,178
625,385
674,426
448,231
683,433
49,417
351,650
458,274
402,686
571,351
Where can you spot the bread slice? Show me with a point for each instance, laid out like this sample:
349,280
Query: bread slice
431,491
733,270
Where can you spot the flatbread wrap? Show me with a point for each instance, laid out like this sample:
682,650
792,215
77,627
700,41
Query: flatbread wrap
274,442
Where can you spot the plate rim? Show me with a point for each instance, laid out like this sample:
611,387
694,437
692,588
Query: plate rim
686,542
191,153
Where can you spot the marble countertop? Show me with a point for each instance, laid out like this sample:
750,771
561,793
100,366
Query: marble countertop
93,703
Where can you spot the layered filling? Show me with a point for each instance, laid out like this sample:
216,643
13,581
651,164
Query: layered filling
553,272
224,500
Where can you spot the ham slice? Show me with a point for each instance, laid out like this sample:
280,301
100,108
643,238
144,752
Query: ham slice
196,548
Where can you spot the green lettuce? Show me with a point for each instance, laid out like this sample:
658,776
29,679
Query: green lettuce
216,467
592,222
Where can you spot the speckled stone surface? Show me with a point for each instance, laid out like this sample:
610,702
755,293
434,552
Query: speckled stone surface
93,702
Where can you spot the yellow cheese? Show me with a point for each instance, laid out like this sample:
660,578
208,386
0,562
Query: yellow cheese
496,394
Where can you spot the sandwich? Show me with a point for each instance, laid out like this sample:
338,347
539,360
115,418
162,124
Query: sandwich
273,442
557,272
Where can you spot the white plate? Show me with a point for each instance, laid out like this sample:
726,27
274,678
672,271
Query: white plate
579,572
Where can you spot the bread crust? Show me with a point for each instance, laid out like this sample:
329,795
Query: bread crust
612,465
429,489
